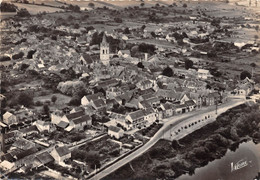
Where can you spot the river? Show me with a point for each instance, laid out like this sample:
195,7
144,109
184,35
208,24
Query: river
243,164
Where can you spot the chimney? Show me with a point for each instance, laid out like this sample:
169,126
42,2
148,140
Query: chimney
145,56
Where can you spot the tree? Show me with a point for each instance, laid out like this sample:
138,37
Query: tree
7,7
118,20
167,72
153,34
188,64
245,74
24,67
140,65
126,31
142,4
23,13
5,58
25,99
45,109
53,99
92,5
18,56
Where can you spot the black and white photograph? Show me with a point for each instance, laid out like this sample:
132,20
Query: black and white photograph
130,90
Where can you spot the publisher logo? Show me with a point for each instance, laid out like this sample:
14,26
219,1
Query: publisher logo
239,164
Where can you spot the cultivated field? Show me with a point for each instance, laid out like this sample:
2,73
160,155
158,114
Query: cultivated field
35,9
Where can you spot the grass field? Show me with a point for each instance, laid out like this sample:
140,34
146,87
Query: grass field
35,9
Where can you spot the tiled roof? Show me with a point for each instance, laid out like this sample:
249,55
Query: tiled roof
94,96
81,119
136,114
114,129
99,103
75,115
62,124
62,151
45,158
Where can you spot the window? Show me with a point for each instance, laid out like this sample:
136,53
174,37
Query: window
103,51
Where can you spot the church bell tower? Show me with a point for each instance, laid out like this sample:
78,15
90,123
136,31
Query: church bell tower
104,51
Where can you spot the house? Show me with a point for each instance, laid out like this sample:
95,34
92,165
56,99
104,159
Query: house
124,53
56,116
9,118
112,92
68,117
210,99
60,154
87,60
98,104
28,130
23,144
203,73
145,84
144,105
150,115
136,119
44,126
79,123
6,165
87,99
167,110
107,83
44,158
115,132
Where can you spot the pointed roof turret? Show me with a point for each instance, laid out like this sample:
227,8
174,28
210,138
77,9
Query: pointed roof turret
104,40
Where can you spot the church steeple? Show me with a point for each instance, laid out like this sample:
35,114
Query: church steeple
104,40
104,50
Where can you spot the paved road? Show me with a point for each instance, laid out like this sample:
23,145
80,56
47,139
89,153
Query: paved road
169,123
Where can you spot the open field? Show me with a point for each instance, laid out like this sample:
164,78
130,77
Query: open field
35,9
61,99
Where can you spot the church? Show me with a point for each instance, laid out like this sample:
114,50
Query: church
104,51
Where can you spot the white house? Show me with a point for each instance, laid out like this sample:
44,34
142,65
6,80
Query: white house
146,84
87,99
150,115
60,154
9,118
124,53
136,119
115,132
203,73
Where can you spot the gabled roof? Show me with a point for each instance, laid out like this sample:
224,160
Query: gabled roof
114,129
26,153
62,124
99,103
148,111
29,129
107,83
45,158
145,104
75,115
62,151
125,51
87,58
81,119
190,103
94,96
7,115
167,106
136,114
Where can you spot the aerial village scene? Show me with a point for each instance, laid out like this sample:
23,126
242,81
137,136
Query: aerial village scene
130,89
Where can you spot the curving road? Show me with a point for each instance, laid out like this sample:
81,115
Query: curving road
169,123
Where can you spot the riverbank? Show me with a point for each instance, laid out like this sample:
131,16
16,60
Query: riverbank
171,159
